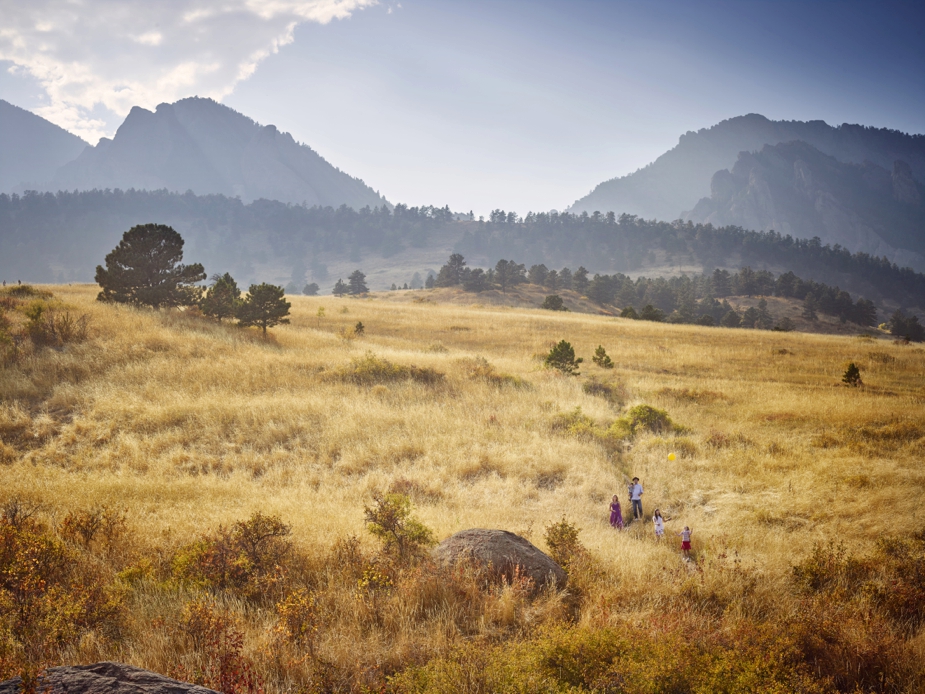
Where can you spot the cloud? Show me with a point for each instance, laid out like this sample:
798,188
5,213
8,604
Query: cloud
115,54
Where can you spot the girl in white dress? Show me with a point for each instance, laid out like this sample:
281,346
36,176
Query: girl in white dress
659,524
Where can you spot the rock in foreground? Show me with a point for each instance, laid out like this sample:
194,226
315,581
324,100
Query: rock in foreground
502,553
105,678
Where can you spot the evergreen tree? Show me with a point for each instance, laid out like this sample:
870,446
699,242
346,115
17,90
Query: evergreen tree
475,280
809,309
765,321
263,306
720,284
562,358
537,274
852,376
357,282
601,358
340,288
554,302
429,282
222,298
311,289
565,278
451,274
580,280
731,319
145,270
629,312
865,313
649,312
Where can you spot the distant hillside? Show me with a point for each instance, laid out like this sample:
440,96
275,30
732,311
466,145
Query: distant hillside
31,148
62,237
796,189
200,145
679,178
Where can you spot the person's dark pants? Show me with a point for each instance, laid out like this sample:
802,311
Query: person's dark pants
637,509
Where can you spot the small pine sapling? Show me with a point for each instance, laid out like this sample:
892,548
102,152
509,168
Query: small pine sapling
601,358
852,376
359,328
562,358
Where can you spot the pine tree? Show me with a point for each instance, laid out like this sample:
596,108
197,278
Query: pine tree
264,306
222,298
340,288
145,270
311,289
601,358
562,358
852,376
357,282
554,302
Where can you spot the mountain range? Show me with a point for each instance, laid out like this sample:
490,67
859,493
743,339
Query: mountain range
202,146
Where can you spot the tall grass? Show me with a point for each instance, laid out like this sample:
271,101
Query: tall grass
190,426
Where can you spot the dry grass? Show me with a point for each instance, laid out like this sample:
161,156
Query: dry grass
189,425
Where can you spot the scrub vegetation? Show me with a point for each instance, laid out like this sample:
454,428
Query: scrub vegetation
255,513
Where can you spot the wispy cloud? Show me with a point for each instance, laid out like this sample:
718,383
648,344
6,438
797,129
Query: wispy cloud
116,54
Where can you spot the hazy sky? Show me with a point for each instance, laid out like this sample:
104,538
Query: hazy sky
473,103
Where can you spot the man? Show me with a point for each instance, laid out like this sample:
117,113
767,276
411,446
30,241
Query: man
636,498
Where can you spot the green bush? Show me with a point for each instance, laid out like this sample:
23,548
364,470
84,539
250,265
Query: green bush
642,418
369,370
564,546
554,302
389,519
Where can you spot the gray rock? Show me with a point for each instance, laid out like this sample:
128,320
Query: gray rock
105,678
501,553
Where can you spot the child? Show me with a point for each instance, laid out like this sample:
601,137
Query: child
659,524
686,541
616,515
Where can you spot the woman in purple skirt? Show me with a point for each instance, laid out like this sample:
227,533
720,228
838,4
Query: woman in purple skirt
616,515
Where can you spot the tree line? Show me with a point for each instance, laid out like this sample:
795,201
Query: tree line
626,242
699,299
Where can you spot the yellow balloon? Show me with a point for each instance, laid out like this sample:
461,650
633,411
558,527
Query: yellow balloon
671,456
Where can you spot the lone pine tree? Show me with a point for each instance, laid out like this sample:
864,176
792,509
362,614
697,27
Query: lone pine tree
264,306
562,358
145,269
601,358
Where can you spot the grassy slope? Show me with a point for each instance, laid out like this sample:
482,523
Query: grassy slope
189,425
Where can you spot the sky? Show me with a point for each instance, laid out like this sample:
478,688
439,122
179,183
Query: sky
478,104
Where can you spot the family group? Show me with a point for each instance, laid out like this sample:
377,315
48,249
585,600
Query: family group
635,496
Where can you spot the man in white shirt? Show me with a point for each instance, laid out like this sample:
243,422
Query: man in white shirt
636,498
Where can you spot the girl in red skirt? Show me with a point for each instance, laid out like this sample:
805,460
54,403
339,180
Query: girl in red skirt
686,542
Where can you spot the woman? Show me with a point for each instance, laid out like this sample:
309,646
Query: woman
616,515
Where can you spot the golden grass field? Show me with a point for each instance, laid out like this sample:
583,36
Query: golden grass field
188,425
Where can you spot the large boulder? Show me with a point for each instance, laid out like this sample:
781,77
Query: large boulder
105,678
501,554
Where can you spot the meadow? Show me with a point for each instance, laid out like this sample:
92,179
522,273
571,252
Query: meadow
138,454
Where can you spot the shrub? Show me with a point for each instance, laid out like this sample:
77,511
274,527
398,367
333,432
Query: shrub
601,358
246,558
852,376
614,394
562,358
219,640
629,312
479,369
564,546
389,519
370,370
554,302
642,418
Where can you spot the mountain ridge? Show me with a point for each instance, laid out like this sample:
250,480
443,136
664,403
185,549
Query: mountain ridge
680,177
32,148
206,147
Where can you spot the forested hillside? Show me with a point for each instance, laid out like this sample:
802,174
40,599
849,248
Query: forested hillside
62,237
